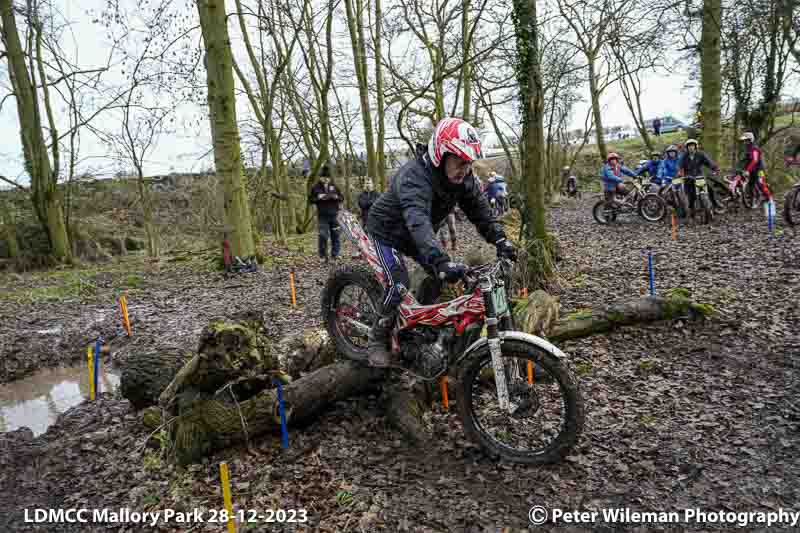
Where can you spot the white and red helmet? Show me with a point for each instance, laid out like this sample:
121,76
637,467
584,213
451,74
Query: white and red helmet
454,136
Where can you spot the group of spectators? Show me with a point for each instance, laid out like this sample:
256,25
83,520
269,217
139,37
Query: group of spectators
327,198
687,159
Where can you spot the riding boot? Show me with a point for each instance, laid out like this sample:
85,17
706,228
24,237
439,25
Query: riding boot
378,346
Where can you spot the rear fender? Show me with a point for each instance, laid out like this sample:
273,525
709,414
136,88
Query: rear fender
538,342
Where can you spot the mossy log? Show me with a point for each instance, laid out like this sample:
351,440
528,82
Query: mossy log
538,315
225,394
145,375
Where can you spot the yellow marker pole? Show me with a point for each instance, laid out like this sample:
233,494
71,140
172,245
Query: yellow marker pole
226,495
445,399
123,304
530,372
294,293
90,361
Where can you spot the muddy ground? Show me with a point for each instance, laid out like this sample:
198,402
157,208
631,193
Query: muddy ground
679,415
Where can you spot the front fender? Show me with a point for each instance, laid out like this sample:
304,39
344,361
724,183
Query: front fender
518,336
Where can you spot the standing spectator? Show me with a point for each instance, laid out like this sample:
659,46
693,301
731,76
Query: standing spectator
327,197
691,165
657,127
668,167
366,199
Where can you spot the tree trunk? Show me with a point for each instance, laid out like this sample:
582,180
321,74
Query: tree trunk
379,147
466,78
225,131
8,229
354,24
44,193
532,94
598,122
147,212
711,77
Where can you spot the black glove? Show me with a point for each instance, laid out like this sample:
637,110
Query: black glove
449,271
506,249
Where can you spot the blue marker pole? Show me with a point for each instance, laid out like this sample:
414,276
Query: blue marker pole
96,367
281,409
770,211
652,275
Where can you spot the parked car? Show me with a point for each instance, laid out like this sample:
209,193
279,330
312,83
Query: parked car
668,125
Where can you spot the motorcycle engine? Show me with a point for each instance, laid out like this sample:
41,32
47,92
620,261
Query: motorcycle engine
423,351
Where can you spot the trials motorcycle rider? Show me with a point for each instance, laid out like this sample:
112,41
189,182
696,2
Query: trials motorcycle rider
404,220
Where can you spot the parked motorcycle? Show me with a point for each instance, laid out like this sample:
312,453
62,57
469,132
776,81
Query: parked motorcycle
791,205
756,192
729,191
650,206
506,407
702,202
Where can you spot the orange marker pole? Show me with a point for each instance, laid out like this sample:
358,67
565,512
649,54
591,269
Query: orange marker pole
524,292
530,372
445,399
90,361
674,227
294,293
123,305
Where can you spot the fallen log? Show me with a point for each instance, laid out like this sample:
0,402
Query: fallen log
145,375
538,314
226,394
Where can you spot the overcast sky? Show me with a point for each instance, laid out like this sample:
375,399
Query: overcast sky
663,95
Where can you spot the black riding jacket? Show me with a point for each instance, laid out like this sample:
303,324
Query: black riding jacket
329,206
408,215
692,165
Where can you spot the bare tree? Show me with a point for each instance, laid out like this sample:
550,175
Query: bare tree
591,23
224,128
42,171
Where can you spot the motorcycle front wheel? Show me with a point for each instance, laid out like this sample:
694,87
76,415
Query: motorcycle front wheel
652,207
706,215
547,414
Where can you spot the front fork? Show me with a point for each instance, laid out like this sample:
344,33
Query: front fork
493,337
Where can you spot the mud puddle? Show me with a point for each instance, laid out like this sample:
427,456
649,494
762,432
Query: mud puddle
37,400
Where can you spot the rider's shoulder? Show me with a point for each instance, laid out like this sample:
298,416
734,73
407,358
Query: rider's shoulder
413,171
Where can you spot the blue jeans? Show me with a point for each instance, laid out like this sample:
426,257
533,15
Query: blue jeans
328,227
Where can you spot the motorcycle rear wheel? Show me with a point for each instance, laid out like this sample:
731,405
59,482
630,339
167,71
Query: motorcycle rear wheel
338,315
601,214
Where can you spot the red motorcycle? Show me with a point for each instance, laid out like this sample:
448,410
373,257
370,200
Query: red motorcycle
516,395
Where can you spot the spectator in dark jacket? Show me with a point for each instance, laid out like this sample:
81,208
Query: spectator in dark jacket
657,127
691,165
403,221
366,199
327,197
